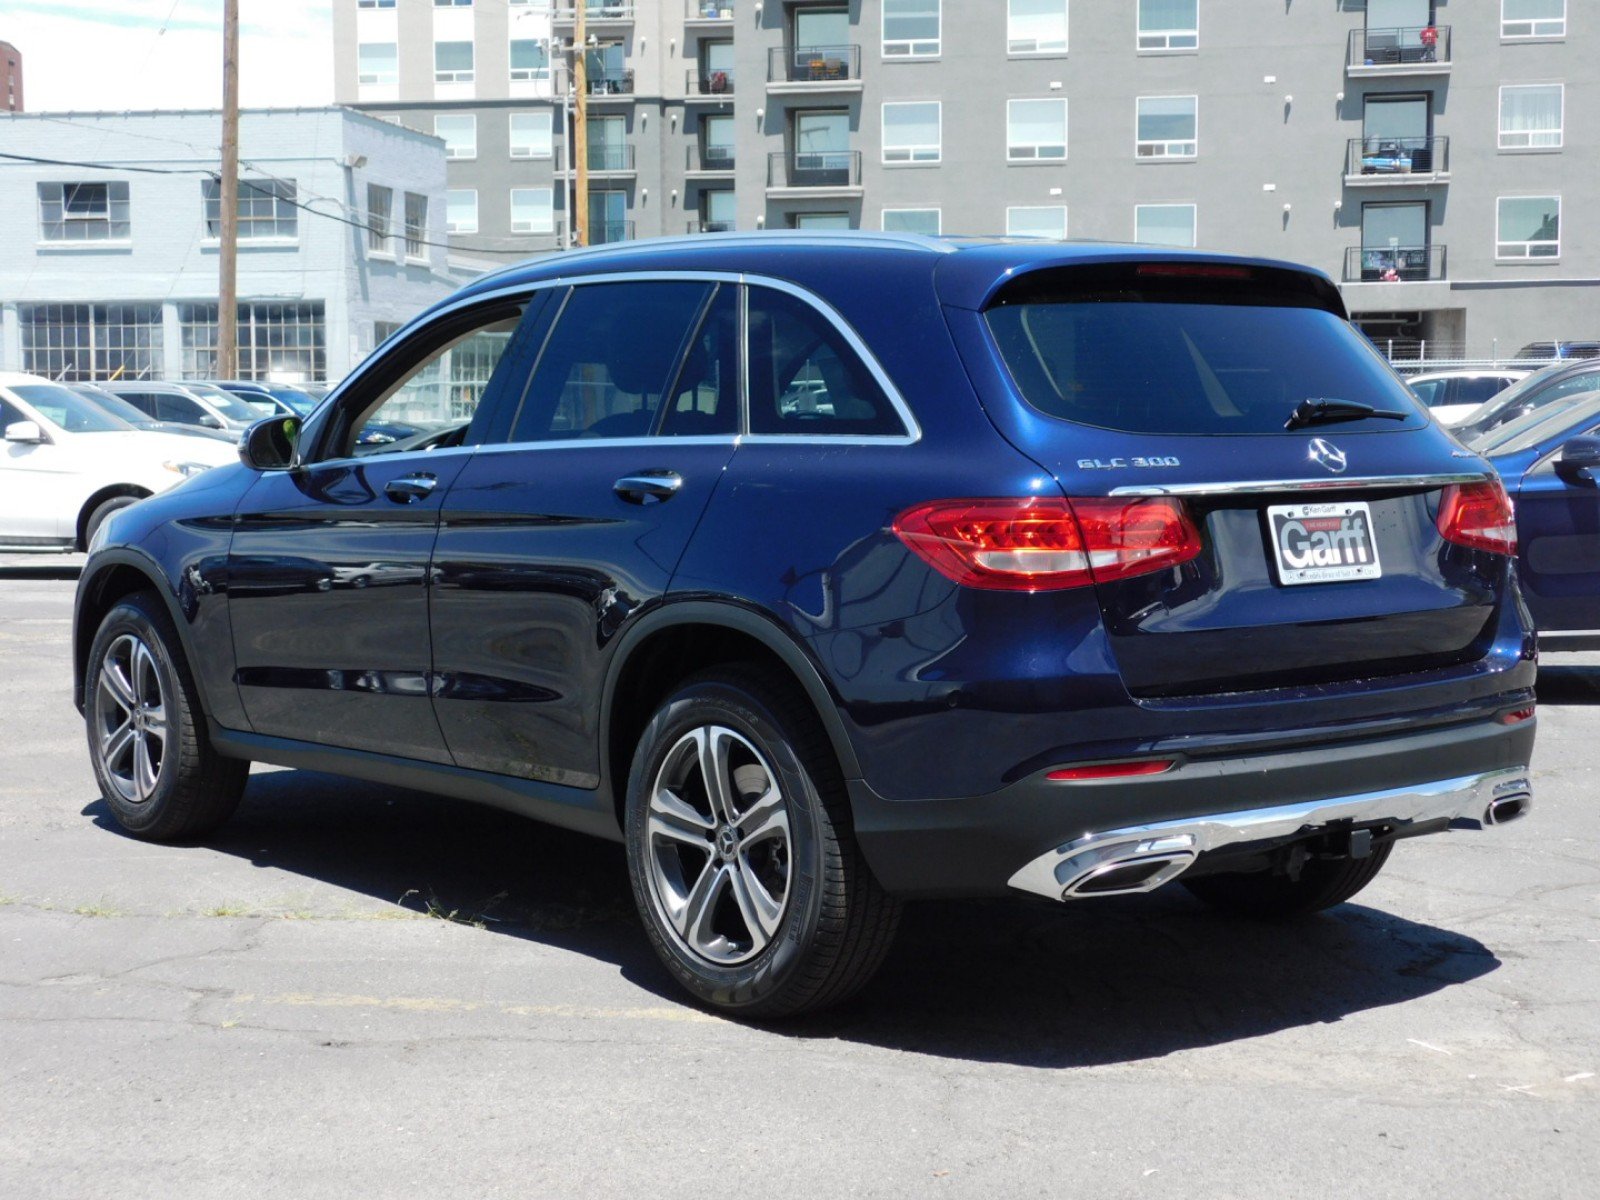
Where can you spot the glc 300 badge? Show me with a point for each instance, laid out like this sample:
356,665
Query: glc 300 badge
1328,455
1117,464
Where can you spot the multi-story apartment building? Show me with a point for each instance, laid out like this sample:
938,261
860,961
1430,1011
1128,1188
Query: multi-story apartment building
11,83
109,271
1435,156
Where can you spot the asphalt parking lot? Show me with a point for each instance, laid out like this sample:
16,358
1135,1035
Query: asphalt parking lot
353,991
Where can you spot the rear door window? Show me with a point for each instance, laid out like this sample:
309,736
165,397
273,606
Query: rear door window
178,408
1186,355
704,399
1476,391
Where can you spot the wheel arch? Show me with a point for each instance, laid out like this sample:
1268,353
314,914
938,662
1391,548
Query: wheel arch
110,577
100,497
675,641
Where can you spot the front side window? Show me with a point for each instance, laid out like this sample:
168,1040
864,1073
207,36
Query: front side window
530,135
910,28
1168,127
1036,26
912,220
1169,24
460,134
452,62
380,214
609,360
1528,227
911,132
1036,130
84,212
1164,224
1533,18
533,210
805,378
267,210
1531,117
461,210
1048,221
377,63
530,60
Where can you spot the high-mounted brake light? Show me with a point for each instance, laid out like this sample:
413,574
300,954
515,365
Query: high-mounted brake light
1479,515
1193,271
1041,544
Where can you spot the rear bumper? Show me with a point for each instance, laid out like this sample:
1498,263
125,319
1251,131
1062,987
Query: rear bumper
1046,837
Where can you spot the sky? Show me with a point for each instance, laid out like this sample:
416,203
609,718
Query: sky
123,55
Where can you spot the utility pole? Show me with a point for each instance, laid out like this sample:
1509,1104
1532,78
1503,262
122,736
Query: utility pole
580,123
228,200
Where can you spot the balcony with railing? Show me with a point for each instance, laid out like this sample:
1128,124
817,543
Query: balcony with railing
603,160
814,69
1386,161
1393,264
1415,50
711,159
710,13
815,172
596,12
704,226
702,83
601,84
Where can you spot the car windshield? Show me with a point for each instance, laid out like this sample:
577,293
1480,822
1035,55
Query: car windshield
69,411
226,403
117,407
1573,412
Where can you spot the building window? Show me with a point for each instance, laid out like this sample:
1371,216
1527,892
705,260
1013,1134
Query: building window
80,342
267,211
530,60
1168,127
1169,24
416,225
1533,18
820,220
1528,227
1530,117
533,210
377,63
1164,224
1045,222
460,134
911,28
382,331
530,135
461,210
452,62
374,3
276,341
911,132
1036,130
716,143
380,207
1036,26
912,220
84,212
452,3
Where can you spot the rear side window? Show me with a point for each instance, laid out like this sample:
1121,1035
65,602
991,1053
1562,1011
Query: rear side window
609,360
804,376
1476,391
178,408
145,402
1188,356
704,400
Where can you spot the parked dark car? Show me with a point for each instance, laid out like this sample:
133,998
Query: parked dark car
1084,569
1550,460
1551,385
1537,350
118,407
187,403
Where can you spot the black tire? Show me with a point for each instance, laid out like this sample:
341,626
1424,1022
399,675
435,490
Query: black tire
181,788
103,510
834,923
1323,883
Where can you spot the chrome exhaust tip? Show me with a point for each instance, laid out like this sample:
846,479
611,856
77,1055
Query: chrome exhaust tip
1503,810
1128,876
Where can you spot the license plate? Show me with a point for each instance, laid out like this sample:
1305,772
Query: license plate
1324,543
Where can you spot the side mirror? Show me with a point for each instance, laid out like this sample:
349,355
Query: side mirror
210,422
1577,462
27,433
271,445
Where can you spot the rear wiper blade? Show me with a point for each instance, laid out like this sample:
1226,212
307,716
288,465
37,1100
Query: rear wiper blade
1325,412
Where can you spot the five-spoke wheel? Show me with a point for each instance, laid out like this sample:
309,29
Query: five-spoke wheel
130,718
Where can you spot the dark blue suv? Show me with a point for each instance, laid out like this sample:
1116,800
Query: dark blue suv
825,571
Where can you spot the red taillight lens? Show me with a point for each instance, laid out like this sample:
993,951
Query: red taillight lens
1479,515
1517,716
1034,545
1117,770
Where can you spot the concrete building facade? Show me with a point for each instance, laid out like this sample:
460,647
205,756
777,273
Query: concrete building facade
111,271
1440,158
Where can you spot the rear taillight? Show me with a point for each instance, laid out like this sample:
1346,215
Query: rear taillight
1478,515
1130,769
1035,545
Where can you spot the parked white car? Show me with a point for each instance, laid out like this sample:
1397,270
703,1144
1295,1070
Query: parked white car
66,465
1451,395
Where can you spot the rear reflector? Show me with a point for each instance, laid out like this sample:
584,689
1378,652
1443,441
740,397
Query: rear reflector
1517,716
1116,770
1479,515
1042,544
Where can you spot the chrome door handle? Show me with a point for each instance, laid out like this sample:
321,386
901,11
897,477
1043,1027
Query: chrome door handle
408,489
648,487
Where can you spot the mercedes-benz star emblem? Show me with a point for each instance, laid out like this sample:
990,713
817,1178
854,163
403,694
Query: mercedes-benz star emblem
1329,455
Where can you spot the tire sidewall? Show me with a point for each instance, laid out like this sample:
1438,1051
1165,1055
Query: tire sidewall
104,510
129,616
748,983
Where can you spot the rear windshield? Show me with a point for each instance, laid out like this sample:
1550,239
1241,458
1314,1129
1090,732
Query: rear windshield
1181,366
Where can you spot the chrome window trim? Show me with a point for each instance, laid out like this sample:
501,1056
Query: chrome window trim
433,455
1261,486
582,443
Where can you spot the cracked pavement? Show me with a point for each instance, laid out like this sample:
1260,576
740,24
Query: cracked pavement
357,991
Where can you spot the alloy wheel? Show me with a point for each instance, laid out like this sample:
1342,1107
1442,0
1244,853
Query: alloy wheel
130,718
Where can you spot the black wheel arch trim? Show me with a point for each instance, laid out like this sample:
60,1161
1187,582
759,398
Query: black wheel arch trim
91,578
